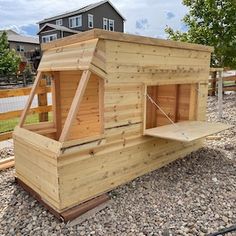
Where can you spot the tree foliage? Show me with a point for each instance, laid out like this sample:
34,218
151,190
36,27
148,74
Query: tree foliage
9,60
213,23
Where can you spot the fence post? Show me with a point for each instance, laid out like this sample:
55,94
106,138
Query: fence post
213,83
42,100
220,94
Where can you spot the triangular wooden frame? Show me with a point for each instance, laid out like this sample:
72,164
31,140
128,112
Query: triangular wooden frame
75,105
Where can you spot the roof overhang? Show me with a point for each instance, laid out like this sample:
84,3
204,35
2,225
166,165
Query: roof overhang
72,57
55,27
122,37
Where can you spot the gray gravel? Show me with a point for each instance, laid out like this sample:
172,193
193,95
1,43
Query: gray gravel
6,152
192,196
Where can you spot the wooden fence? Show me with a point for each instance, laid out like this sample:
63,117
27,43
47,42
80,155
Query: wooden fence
42,110
228,82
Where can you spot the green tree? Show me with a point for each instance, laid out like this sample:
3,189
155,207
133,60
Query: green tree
9,60
213,23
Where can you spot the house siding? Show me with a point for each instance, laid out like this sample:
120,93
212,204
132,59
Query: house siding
103,11
100,12
28,48
49,32
57,32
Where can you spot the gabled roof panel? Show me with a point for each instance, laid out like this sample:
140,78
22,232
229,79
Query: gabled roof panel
58,27
78,56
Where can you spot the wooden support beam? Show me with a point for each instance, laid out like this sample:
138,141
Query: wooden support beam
75,105
220,94
30,99
144,107
101,105
5,136
213,84
43,101
7,163
176,104
192,102
56,103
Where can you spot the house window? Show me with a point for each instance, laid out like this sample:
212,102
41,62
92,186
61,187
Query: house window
75,21
20,48
108,24
59,22
111,25
90,21
49,38
105,23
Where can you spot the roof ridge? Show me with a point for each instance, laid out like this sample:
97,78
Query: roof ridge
80,10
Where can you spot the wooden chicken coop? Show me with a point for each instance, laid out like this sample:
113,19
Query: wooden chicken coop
123,106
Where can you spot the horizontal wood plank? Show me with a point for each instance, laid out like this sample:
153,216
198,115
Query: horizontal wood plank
14,114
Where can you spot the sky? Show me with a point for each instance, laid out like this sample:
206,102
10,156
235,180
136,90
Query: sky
143,17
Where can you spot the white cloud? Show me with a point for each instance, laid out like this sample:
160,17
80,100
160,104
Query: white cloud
22,13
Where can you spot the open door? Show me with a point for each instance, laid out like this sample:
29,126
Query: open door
187,131
171,114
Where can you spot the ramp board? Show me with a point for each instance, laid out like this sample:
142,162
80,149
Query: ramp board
187,131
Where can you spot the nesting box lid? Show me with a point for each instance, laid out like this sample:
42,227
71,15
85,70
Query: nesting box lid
123,37
84,51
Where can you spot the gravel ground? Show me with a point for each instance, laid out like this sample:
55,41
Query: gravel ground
6,152
192,196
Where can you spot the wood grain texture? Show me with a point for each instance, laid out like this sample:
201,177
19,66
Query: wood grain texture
121,37
104,123
88,121
187,131
78,96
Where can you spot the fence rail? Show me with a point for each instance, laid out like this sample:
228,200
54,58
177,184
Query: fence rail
42,110
228,83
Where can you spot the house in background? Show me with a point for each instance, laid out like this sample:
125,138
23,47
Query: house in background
25,46
101,15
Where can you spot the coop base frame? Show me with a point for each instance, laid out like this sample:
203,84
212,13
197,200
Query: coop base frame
69,214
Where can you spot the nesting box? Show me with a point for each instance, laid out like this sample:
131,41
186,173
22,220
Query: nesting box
123,106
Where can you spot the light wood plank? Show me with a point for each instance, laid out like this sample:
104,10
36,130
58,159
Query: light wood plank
75,105
56,103
187,131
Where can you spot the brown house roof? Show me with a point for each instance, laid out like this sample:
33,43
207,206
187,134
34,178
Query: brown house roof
81,10
15,37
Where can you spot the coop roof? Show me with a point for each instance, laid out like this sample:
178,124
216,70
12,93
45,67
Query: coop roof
81,51
117,36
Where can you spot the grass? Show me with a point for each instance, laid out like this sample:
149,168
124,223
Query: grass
9,125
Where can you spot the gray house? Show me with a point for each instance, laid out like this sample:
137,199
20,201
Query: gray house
101,15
